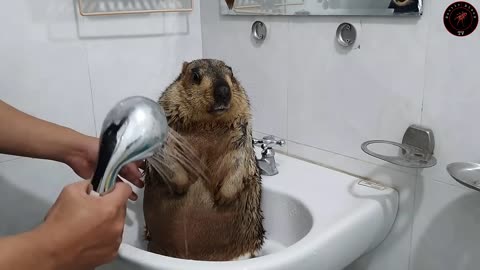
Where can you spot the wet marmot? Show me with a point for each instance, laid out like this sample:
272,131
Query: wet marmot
217,217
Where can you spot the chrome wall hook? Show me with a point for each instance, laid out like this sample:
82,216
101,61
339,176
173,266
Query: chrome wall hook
346,34
259,31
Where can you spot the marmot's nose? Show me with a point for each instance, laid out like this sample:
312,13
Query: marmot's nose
222,94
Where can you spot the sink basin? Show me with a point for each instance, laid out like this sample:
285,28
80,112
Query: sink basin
315,218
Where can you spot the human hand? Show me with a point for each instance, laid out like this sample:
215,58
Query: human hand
85,231
83,162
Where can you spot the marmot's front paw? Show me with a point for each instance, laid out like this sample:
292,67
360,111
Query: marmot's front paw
226,194
180,188
180,181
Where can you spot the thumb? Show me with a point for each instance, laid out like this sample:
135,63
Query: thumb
119,194
81,185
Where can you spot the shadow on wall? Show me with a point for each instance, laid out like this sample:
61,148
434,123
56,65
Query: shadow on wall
20,211
451,240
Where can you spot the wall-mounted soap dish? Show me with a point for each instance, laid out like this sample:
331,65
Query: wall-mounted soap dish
416,149
465,173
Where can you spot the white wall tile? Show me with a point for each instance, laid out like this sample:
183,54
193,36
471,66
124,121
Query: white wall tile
260,67
144,64
451,95
338,99
49,81
39,74
445,233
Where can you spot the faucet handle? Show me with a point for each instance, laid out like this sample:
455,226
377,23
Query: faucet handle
271,140
268,142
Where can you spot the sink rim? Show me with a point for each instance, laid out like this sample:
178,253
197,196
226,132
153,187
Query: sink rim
131,253
325,225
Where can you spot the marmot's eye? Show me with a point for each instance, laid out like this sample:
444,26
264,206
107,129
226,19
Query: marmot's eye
196,77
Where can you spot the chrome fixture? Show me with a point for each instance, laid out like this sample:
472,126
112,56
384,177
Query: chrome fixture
133,130
267,163
346,34
416,149
466,173
259,31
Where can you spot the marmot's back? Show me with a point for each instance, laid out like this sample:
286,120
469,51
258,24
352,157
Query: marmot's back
219,217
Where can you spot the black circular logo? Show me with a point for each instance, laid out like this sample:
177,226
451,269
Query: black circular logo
460,19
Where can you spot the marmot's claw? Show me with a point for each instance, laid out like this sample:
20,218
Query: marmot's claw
146,233
222,199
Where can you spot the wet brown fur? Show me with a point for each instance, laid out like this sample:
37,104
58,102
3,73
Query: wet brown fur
220,218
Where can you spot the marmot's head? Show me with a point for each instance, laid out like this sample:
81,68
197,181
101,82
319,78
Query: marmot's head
206,90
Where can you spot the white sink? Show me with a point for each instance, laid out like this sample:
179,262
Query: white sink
315,218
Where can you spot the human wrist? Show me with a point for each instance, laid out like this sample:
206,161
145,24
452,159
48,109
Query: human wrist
42,241
74,145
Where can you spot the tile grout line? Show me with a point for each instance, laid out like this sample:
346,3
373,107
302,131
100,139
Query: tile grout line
334,153
202,35
287,88
424,73
91,90
417,178
412,226
458,186
349,157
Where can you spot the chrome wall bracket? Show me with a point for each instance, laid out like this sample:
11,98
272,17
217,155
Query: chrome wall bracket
259,31
416,149
346,34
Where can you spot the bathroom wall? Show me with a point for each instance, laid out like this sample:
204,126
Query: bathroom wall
70,70
323,99
326,100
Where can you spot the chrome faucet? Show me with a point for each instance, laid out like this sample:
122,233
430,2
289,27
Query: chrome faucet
133,130
267,163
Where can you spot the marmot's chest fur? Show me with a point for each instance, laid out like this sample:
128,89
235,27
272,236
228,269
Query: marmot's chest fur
214,215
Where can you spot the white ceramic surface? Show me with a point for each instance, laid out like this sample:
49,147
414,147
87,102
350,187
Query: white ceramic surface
315,218
445,233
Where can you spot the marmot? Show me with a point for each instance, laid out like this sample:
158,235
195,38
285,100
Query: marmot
218,218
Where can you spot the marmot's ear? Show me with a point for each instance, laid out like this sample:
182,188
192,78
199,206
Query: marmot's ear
234,80
184,67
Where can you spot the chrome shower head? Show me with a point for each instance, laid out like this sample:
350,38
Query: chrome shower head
133,130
